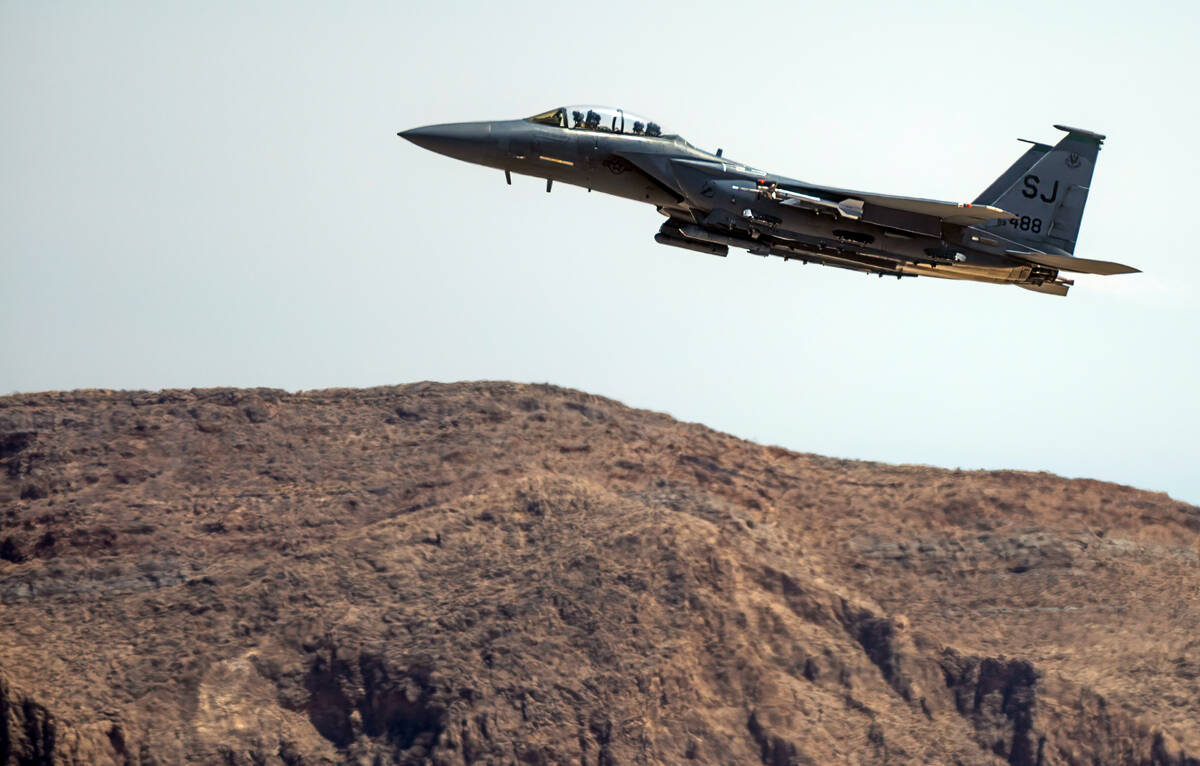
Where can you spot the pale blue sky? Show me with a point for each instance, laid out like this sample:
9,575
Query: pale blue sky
213,194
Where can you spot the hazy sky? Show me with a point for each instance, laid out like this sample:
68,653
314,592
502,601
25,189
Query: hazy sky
213,194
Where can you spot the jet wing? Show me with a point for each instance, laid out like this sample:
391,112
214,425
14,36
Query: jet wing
921,216
908,213
1071,263
961,213
913,214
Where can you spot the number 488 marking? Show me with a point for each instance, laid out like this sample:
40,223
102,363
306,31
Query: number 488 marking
1025,223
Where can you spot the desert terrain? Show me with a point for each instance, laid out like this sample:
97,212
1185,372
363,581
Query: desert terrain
498,573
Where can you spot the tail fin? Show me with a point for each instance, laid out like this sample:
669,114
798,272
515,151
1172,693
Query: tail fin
1034,153
1048,196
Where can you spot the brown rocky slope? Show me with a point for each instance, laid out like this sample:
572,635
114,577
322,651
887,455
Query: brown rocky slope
494,573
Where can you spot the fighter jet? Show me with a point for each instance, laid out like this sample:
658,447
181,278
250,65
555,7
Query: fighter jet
1020,230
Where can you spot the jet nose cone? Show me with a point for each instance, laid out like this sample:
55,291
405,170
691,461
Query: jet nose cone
462,140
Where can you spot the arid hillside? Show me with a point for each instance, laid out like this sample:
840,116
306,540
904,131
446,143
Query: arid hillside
492,573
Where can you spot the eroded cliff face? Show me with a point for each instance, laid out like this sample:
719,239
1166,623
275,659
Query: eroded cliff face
500,573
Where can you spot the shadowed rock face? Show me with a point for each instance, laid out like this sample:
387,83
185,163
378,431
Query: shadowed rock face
511,574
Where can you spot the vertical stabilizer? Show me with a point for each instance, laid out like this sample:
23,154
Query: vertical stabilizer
1048,198
1019,168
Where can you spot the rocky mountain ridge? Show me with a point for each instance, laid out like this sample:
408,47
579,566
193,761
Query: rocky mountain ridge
503,573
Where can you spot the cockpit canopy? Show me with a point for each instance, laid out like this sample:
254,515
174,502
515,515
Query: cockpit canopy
600,118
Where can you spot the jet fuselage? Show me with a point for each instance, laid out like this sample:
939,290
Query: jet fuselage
713,203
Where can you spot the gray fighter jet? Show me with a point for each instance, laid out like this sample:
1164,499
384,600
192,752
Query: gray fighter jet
1020,230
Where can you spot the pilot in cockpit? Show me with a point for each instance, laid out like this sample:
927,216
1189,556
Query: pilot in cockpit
597,119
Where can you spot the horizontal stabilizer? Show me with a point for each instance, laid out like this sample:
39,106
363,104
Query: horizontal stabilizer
1070,263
